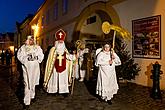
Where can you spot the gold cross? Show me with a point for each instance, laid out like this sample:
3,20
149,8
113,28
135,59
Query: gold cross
60,57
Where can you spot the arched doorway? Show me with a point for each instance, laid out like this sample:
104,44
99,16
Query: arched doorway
88,29
88,26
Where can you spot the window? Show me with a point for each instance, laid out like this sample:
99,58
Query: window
55,12
42,22
47,17
91,20
64,6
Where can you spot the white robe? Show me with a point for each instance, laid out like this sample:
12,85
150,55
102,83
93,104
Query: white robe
31,69
75,71
53,81
81,61
107,82
74,68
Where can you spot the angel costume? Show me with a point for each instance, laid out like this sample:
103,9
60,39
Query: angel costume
30,56
107,82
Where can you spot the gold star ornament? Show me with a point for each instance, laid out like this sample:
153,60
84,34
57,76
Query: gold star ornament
106,27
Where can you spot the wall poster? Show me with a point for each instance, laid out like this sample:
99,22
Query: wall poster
146,42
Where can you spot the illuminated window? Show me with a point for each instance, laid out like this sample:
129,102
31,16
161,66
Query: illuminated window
42,22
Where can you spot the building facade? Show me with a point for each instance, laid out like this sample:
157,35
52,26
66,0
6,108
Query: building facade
82,19
7,41
23,30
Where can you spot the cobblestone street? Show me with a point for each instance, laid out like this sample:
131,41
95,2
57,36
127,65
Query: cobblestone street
130,97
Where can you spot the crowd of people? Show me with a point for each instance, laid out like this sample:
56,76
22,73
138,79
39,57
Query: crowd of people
6,57
62,67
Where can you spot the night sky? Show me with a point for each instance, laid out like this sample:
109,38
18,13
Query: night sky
16,10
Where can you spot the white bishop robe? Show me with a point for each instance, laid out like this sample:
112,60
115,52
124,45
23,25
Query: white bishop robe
31,68
54,81
107,82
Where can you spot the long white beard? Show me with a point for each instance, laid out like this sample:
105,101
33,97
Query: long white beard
60,48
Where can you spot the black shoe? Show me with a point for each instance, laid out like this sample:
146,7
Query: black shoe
65,95
109,102
33,100
25,107
101,100
52,94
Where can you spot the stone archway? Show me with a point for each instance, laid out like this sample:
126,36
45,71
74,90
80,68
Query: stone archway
92,33
105,12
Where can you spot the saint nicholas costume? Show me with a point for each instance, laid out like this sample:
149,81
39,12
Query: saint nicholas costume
56,71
